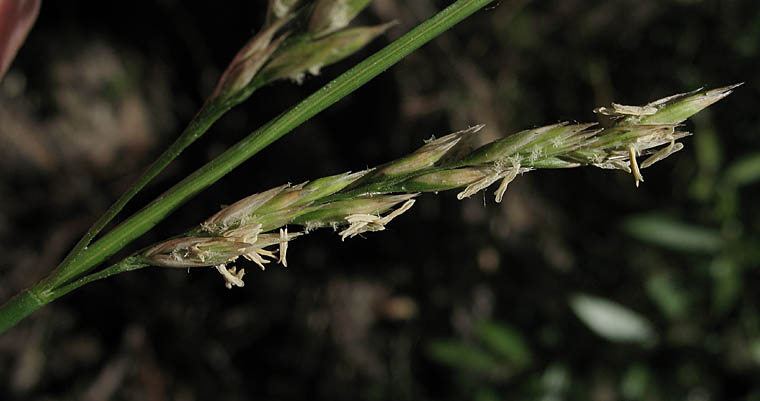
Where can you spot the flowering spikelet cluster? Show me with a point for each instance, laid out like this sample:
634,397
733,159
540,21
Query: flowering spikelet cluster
366,201
298,37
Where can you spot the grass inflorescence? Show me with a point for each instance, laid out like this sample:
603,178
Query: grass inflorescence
355,203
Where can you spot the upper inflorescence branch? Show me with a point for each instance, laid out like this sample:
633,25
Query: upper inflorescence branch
299,37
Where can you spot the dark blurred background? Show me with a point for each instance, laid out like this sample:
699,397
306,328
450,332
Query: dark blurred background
578,286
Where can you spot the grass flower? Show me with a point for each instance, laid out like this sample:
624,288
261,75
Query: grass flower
367,201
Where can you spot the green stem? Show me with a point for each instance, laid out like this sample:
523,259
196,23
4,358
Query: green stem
31,299
157,210
38,296
126,265
207,115
19,307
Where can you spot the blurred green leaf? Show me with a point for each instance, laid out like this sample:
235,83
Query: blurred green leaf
611,320
555,381
459,355
707,145
520,32
709,154
703,187
744,171
726,285
750,247
672,234
746,43
727,202
754,347
505,342
636,381
670,298
486,394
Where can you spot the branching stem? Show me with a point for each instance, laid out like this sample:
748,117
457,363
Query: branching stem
84,258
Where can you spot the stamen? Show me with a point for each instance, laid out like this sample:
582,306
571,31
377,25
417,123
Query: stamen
621,165
481,184
255,257
673,147
361,223
232,277
247,233
635,166
398,212
499,194
283,247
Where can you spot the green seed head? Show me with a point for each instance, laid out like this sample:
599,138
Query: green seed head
191,252
241,212
530,145
332,15
676,109
446,179
279,9
673,109
368,200
326,186
304,54
235,85
428,155
335,213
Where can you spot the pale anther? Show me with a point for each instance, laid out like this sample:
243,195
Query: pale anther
635,165
499,194
673,147
232,277
283,247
